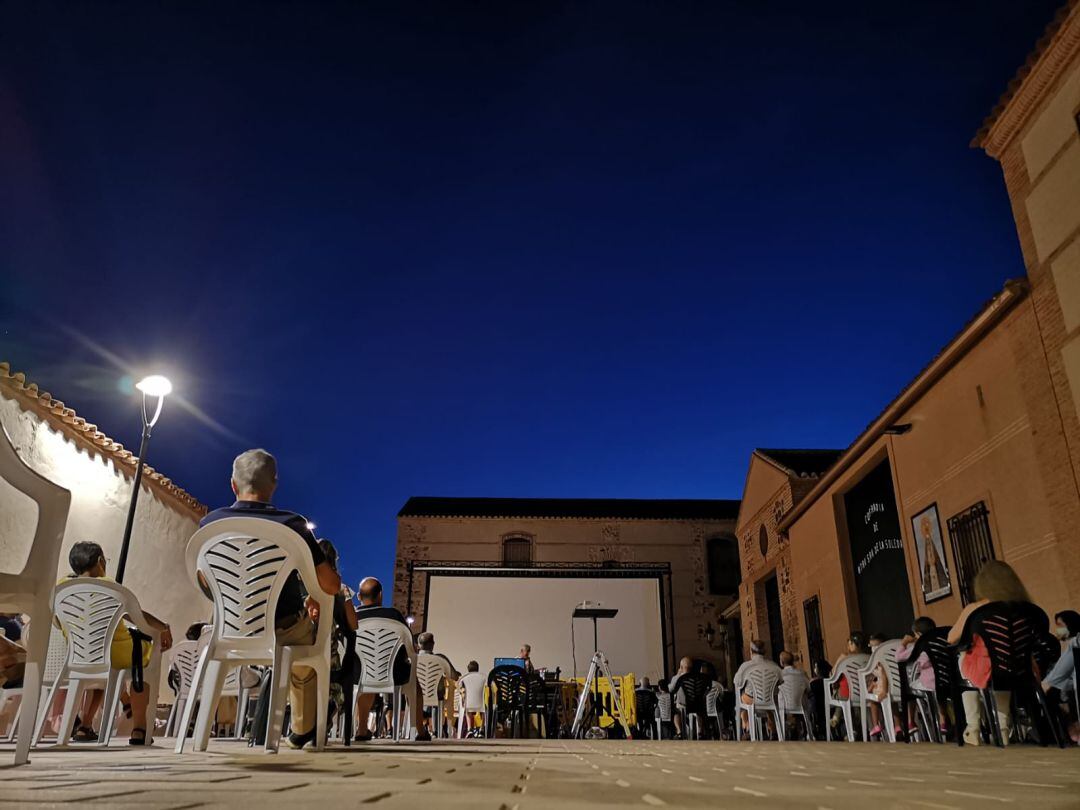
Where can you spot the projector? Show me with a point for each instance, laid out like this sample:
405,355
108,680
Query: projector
588,604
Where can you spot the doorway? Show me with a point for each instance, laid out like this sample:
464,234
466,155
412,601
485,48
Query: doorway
776,624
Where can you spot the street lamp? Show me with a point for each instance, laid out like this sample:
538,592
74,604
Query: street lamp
153,386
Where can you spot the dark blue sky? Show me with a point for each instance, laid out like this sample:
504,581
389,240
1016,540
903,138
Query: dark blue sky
507,249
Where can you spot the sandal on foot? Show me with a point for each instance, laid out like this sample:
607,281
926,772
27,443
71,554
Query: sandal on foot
84,734
140,740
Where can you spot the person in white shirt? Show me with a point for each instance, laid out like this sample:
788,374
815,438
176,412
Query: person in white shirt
471,686
757,661
794,687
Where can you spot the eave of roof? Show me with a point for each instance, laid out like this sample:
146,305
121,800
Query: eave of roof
66,421
1056,48
974,331
782,458
571,508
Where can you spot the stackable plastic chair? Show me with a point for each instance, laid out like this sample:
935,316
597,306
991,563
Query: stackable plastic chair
185,657
471,702
942,658
694,686
508,699
246,562
31,589
792,698
90,612
1011,632
378,642
648,721
884,655
665,712
849,667
54,660
761,684
432,672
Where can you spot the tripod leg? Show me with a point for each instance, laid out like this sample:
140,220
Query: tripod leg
579,715
605,669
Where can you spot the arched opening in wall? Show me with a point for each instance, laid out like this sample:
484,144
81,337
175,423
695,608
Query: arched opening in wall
517,549
722,558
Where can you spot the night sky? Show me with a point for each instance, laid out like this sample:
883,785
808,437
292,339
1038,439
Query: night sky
495,249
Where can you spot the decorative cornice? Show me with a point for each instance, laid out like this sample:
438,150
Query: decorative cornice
66,421
1055,50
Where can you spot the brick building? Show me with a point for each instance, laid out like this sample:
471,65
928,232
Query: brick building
979,456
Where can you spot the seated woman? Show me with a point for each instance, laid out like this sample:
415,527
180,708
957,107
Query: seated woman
1058,682
920,672
995,582
856,645
88,560
344,621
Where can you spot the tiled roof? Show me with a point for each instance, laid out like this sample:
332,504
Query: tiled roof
571,508
65,420
802,463
1054,32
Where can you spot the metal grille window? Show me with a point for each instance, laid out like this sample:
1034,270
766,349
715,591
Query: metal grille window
815,640
517,550
972,545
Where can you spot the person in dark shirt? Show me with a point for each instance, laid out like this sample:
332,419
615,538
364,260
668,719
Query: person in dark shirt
254,479
371,607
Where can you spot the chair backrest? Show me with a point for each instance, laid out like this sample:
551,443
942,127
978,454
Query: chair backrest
694,687
246,562
664,705
38,574
1011,632
185,657
646,705
885,656
430,671
473,684
849,666
511,686
89,611
942,657
56,656
763,682
793,689
378,642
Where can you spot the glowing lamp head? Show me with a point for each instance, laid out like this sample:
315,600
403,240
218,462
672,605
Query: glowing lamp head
155,385
409,620
310,526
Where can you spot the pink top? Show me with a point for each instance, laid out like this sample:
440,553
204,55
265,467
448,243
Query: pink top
920,673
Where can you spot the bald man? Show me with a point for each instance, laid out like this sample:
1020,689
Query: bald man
371,607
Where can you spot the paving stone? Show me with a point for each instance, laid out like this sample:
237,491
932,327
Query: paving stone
532,774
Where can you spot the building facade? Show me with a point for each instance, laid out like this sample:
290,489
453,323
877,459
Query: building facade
694,538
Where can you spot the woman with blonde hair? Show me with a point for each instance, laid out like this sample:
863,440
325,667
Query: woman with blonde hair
995,582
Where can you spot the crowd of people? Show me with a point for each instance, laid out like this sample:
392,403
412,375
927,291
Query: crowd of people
254,480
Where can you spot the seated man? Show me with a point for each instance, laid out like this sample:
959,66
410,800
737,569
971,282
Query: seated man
471,686
795,684
88,560
371,607
685,665
254,479
741,680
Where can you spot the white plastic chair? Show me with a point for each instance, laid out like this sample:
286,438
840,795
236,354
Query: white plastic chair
469,701
377,645
793,697
665,712
185,657
849,667
54,660
90,612
246,562
31,589
885,655
761,684
432,672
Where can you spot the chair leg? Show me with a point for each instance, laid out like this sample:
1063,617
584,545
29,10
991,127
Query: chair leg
279,690
990,708
37,649
44,706
322,709
67,720
1053,720
109,706
779,720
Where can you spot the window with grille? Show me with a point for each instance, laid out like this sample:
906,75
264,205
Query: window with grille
815,639
972,545
517,550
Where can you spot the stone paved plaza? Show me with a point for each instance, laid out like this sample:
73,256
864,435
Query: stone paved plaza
525,774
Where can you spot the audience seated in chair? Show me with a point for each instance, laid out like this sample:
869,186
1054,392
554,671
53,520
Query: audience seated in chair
254,479
471,686
920,672
88,560
795,683
344,621
856,645
371,607
757,661
995,582
425,643
1059,682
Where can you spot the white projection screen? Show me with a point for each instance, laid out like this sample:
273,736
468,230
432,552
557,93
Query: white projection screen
481,618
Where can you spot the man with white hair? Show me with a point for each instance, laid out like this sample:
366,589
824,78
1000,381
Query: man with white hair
254,479
757,661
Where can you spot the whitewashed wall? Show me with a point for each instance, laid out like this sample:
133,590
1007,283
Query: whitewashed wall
100,495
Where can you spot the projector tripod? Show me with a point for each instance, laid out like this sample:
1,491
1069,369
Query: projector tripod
598,668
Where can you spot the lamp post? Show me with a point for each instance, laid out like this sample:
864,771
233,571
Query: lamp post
152,386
